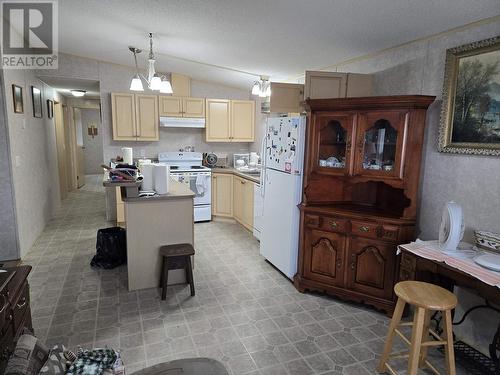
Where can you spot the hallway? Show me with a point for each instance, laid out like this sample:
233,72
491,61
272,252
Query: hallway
245,313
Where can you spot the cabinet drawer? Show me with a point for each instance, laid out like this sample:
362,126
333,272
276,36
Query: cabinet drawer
373,230
333,224
312,221
364,229
20,306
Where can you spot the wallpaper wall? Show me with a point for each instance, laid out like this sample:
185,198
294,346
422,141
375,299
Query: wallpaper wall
472,181
34,160
9,248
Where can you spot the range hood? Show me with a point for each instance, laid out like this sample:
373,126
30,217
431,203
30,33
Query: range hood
182,122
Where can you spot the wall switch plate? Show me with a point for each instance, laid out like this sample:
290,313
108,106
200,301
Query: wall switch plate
23,124
18,161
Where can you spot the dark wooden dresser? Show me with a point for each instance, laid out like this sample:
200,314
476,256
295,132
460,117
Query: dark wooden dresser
15,313
360,198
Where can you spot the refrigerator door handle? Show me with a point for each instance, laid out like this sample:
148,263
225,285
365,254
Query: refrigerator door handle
263,166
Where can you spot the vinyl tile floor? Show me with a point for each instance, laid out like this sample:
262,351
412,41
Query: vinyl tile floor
245,313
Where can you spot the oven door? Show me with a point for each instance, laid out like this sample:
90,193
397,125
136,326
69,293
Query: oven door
200,183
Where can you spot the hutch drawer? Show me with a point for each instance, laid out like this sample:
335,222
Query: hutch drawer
364,229
334,224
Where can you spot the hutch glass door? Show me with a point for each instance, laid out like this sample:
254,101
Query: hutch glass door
333,137
380,144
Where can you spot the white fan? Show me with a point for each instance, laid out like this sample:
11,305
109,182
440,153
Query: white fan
451,230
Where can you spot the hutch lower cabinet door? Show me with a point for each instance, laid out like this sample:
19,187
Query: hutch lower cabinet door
371,267
324,256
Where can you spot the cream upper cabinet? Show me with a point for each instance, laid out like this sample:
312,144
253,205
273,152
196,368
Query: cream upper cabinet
193,107
135,117
170,106
123,116
222,194
242,120
218,120
176,106
147,120
324,85
230,120
286,98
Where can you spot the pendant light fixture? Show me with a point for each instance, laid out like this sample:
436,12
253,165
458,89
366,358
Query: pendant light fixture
262,87
154,80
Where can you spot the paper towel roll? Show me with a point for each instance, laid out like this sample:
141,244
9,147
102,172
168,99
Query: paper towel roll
161,178
147,173
127,155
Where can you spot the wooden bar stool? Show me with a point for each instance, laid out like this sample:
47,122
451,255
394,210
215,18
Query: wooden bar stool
425,298
175,257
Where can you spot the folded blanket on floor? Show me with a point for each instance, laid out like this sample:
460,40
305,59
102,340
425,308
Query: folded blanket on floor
93,362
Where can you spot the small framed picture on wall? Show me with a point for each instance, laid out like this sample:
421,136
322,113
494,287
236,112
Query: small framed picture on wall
36,96
50,108
17,96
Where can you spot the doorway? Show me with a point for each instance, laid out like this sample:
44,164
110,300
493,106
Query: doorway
88,142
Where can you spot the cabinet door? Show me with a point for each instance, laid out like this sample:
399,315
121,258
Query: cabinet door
123,116
120,207
286,97
170,106
147,119
222,194
238,196
218,119
371,267
332,151
247,217
242,120
193,107
325,85
324,256
380,146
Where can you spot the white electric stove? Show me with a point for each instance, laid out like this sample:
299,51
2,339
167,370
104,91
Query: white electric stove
186,167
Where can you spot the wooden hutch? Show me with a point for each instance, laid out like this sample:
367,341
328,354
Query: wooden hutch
361,181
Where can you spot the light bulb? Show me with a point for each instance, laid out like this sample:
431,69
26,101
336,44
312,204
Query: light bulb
256,88
136,84
166,87
78,93
155,82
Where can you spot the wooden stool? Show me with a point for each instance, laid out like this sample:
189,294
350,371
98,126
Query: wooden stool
425,298
175,257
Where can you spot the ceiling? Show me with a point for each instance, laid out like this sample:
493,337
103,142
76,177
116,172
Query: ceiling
232,41
65,85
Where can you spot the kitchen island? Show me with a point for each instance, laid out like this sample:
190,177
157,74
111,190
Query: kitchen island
151,223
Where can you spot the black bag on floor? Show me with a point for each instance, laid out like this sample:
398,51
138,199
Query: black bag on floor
111,248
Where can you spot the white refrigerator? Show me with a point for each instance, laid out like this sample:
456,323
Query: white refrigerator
281,187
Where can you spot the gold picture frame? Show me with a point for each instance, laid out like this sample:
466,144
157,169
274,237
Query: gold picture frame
471,124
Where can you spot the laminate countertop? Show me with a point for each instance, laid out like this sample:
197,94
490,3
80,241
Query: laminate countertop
177,190
230,170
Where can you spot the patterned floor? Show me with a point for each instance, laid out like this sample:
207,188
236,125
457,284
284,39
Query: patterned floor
245,313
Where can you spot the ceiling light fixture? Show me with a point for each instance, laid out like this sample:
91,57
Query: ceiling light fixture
262,87
154,80
78,93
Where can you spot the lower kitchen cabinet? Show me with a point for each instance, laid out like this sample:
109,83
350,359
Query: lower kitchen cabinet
233,196
120,207
222,194
243,201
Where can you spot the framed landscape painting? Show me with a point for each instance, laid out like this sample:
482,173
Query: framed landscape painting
470,113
